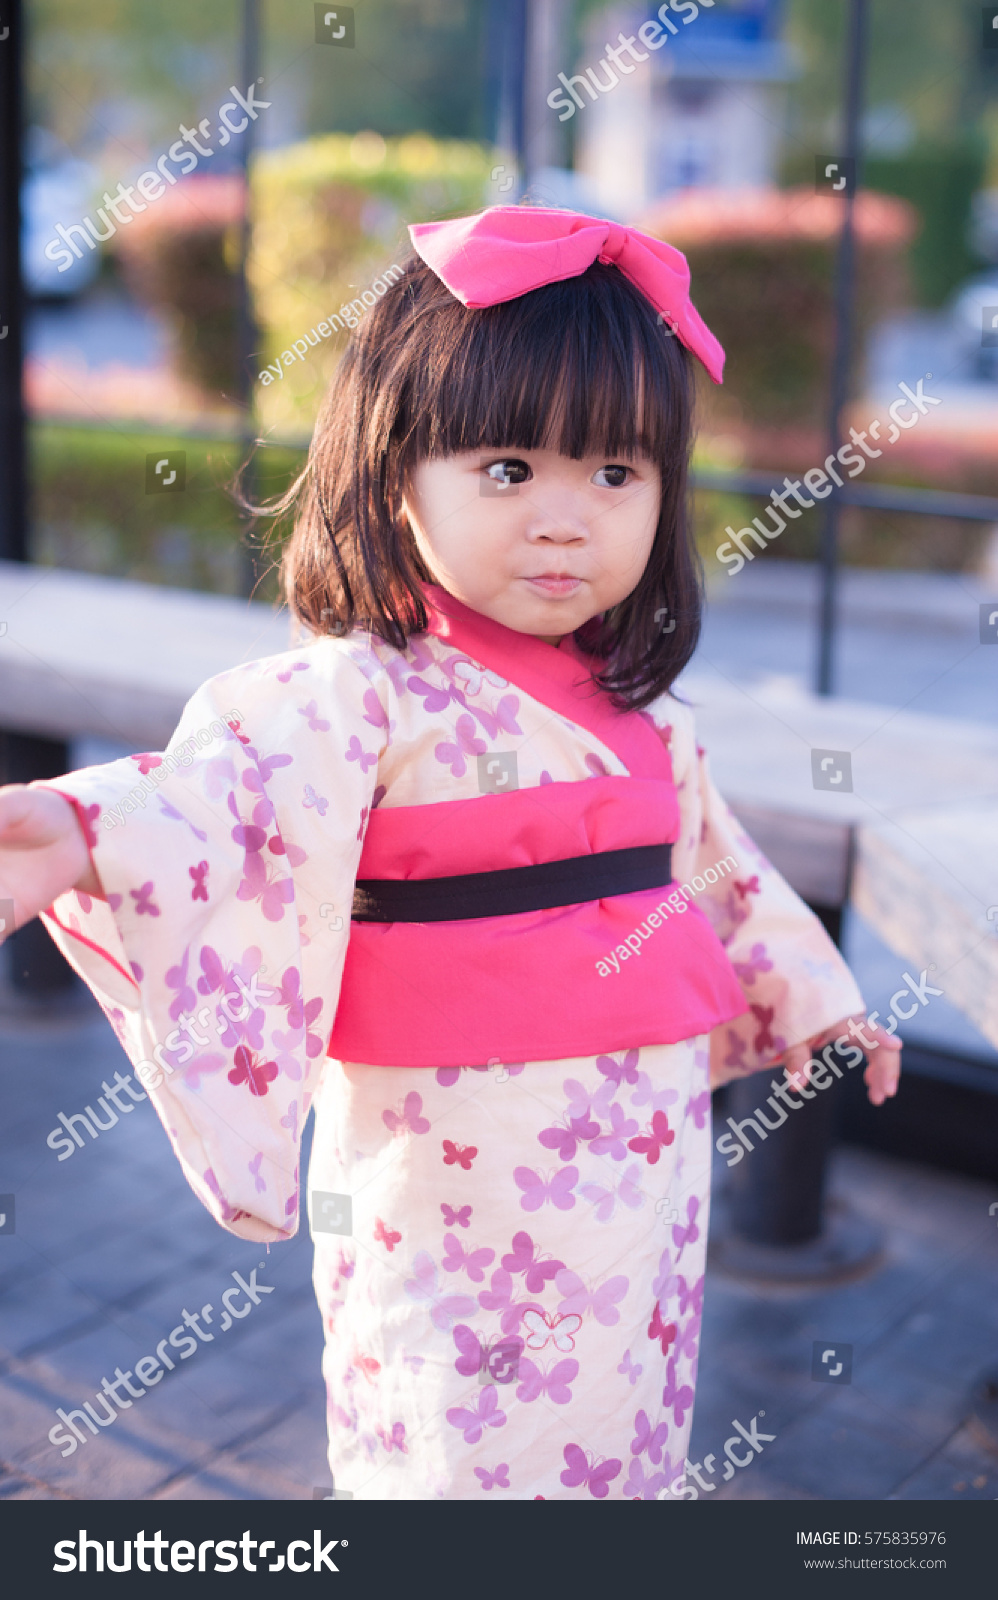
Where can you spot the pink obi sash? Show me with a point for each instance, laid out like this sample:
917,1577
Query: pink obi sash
536,985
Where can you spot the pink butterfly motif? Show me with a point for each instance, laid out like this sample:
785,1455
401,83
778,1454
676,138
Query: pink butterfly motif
407,1118
664,1331
640,1487
394,1440
691,1297
657,1137
631,1370
319,801
566,1139
254,1168
543,1329
374,711
465,744
581,1100
748,971
538,1188
433,699
602,1301
679,1399
461,1155
473,677
619,1072
627,1190
647,1438
737,1047
447,1308
144,903
473,1262
613,1143
474,1420
199,874
297,666
582,1467
356,752
499,1297
654,1099
386,1236
597,766
525,1258
682,1236
499,1479
536,1382
500,1358
698,1107
461,1218
311,712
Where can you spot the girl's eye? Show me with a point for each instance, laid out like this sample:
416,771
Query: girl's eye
611,477
509,471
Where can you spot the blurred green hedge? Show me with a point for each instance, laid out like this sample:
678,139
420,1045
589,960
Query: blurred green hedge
91,511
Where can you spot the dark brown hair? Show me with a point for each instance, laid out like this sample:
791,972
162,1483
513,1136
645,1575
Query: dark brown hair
584,367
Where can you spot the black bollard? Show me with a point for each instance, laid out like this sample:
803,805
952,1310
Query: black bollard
774,1225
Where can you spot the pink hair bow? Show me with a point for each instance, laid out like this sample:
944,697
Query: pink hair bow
507,251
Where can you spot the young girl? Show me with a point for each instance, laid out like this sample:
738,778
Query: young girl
454,873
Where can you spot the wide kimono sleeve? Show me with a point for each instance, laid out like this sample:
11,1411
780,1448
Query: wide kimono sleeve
794,979
228,865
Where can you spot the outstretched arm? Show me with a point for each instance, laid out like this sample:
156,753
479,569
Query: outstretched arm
43,851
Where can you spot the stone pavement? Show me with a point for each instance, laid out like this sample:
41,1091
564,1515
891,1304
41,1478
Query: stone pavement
111,1247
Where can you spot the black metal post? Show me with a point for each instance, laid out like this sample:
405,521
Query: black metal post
13,484
845,294
247,334
776,1227
510,31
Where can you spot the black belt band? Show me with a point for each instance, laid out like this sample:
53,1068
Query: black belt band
511,890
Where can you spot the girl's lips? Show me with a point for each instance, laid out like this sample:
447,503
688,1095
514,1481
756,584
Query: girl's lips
550,583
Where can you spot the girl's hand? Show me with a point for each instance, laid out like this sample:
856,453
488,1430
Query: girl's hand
43,852
883,1052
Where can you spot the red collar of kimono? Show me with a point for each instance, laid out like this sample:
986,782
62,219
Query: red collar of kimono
558,677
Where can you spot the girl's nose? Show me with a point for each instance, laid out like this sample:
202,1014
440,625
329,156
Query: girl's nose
555,521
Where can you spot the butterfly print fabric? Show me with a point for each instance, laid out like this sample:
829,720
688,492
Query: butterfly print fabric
516,1311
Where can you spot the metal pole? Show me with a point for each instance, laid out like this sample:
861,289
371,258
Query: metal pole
247,333
510,23
13,481
845,287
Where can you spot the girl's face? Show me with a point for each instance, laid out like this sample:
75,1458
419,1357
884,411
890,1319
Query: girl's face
533,539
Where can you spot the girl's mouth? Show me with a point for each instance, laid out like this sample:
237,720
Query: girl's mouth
554,583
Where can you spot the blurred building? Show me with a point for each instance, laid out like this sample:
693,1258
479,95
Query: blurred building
704,111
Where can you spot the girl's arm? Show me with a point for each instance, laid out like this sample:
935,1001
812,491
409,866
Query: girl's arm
43,852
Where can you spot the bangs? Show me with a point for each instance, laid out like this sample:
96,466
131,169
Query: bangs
584,367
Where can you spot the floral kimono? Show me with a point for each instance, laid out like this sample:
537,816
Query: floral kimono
510,1173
